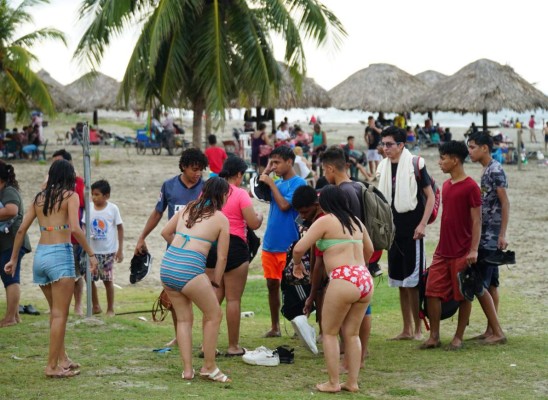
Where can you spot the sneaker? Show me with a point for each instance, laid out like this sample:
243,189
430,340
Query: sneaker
467,283
262,356
139,268
306,333
500,257
286,355
375,270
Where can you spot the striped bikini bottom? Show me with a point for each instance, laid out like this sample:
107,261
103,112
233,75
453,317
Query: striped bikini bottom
180,266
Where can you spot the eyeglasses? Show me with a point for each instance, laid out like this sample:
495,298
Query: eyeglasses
389,144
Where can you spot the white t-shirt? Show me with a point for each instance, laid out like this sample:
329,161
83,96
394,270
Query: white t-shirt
283,135
303,169
103,228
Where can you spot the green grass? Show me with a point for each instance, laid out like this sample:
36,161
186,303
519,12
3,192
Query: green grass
118,362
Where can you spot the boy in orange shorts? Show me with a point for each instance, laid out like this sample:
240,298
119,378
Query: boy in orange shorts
458,246
281,229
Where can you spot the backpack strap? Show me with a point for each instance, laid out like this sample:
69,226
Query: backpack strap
416,161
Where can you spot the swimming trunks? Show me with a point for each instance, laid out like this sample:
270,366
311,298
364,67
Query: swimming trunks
324,244
358,275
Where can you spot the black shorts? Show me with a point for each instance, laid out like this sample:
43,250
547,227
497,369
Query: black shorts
238,253
406,261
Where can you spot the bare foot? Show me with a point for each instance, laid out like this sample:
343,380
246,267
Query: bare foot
110,313
418,336
328,387
97,310
172,342
78,311
272,333
5,323
188,376
494,340
402,336
349,388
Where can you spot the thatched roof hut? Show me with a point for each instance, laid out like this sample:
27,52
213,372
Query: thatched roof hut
482,86
430,77
379,87
63,101
94,91
311,95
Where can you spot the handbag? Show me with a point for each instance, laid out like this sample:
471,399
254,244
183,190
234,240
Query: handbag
161,307
265,150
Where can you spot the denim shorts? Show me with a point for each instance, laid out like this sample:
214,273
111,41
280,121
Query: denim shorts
4,258
53,262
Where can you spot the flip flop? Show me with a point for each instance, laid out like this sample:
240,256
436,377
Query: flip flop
65,373
502,340
163,350
216,376
217,354
271,334
427,346
236,354
188,379
452,347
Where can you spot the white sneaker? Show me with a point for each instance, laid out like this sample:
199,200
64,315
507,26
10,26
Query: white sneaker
261,356
306,333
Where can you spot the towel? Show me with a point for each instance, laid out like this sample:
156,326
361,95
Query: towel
405,198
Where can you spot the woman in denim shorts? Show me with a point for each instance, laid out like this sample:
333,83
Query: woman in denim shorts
56,208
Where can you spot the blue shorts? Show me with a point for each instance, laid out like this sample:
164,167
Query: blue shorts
53,262
4,258
368,311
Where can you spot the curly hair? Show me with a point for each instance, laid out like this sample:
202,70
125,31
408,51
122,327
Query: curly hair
61,179
193,157
7,174
211,200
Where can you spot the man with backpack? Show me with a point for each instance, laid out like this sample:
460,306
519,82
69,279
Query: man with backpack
412,200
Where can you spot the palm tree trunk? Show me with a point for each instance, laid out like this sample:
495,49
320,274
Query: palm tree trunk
198,108
2,119
208,125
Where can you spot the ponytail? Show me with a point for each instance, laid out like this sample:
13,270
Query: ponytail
7,174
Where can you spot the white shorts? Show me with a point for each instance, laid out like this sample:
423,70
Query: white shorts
373,155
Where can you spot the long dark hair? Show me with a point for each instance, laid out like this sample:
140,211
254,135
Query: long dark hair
61,178
232,166
334,201
7,174
211,200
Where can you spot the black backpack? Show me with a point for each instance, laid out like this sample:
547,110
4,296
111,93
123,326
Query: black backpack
448,308
294,291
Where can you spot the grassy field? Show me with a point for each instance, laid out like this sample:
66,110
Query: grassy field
118,361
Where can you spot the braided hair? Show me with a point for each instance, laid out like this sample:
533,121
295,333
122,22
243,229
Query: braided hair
211,200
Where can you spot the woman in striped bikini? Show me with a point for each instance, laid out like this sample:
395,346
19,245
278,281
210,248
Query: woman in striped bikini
190,233
56,208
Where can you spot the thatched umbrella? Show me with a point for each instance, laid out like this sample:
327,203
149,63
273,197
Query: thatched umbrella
94,91
480,87
63,101
430,77
379,87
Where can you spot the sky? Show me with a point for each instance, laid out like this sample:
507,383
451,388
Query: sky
414,35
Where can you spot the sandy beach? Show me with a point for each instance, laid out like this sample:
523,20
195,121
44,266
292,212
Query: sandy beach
136,180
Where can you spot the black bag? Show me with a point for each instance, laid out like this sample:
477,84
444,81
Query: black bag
293,299
253,242
288,276
448,308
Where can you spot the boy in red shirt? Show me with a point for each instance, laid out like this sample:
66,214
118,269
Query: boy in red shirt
216,156
458,246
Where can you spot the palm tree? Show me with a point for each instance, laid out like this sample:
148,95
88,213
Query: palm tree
207,53
20,87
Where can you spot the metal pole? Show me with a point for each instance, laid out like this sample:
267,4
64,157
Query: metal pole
519,148
87,192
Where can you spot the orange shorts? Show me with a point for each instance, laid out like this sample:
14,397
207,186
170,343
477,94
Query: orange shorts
273,264
442,278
